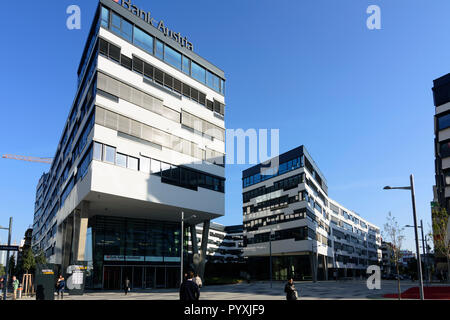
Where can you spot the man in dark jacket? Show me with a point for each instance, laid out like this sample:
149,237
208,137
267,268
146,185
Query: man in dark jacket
291,292
189,290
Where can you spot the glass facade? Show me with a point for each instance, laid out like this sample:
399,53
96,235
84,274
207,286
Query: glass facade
123,28
126,247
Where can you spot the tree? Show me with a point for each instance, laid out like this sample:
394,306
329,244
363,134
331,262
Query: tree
2,270
11,266
393,233
441,236
40,258
29,261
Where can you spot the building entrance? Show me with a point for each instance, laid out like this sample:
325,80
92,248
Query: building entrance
141,277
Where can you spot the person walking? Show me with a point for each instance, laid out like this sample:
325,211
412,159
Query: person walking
127,285
289,289
198,280
61,286
189,290
15,285
2,286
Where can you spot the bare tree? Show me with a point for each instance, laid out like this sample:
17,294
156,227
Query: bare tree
440,235
393,233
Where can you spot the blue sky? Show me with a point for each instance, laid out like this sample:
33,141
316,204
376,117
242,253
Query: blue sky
360,100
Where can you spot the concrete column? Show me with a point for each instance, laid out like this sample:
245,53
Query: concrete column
204,247
80,225
67,242
195,255
312,258
325,266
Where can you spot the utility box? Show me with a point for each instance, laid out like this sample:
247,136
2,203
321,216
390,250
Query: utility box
44,281
76,278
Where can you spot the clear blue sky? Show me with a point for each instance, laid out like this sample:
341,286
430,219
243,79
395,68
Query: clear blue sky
359,100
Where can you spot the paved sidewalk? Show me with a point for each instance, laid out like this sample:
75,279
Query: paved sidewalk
323,290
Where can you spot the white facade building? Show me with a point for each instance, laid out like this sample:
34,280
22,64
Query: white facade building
144,142
287,213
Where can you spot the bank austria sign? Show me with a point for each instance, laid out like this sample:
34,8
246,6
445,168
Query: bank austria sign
146,16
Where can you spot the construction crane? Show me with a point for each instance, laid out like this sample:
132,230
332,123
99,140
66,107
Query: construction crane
29,159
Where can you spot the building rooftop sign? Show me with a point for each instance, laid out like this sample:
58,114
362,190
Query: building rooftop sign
146,16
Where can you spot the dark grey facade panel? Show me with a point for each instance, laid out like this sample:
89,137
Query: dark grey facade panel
160,36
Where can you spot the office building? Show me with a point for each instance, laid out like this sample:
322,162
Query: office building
143,143
287,214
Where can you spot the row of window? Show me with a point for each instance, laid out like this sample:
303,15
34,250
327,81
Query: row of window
150,72
142,131
140,38
171,174
298,234
271,173
284,184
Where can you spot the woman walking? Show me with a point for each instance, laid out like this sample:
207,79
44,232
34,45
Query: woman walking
126,285
291,292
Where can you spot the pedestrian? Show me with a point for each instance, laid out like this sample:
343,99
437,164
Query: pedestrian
189,290
60,287
2,286
291,292
198,280
126,285
15,285
335,275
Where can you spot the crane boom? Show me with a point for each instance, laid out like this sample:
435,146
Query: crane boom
29,159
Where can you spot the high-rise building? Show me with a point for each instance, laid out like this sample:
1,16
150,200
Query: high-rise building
143,143
441,191
287,214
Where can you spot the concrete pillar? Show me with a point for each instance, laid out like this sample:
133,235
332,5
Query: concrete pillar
204,246
195,255
312,261
67,243
80,225
325,267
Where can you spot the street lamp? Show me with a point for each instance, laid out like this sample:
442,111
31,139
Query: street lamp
413,199
182,243
5,287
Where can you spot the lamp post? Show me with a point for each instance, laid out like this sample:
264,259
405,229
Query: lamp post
413,199
182,244
270,260
5,288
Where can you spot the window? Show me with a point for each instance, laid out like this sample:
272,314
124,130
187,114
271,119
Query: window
114,52
98,151
121,160
155,167
159,49
445,149
110,154
138,65
133,163
105,18
198,72
172,57
444,122
143,40
145,164
121,27
126,62
186,68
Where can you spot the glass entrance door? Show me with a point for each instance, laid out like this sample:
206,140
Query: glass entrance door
111,278
160,277
138,277
149,277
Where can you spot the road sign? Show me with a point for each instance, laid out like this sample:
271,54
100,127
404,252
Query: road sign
9,248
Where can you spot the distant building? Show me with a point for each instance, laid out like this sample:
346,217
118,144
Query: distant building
441,191
406,256
286,208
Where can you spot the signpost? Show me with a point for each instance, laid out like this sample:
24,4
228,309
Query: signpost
8,248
